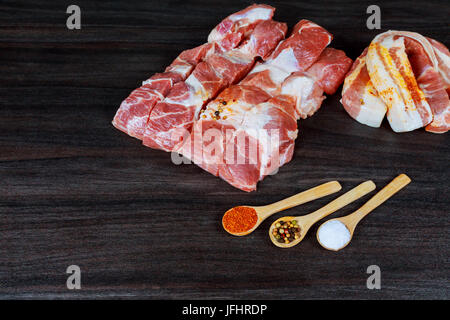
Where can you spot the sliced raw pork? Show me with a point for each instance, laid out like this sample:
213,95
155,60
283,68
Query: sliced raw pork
325,75
249,130
443,58
229,33
132,116
171,119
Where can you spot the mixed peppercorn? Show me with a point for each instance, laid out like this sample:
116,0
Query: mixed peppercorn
217,115
286,231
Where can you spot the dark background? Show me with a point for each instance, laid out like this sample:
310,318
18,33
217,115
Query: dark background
74,190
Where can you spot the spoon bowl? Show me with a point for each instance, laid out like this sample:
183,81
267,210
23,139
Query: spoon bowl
305,222
261,217
300,223
342,246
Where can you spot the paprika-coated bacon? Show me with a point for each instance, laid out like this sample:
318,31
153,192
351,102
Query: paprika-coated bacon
393,77
359,97
404,75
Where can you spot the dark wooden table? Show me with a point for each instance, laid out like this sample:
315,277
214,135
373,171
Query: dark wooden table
76,191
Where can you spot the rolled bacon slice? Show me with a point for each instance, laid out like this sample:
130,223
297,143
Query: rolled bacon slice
132,115
249,130
172,118
359,97
403,75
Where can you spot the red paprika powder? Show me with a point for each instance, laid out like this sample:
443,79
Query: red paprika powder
239,219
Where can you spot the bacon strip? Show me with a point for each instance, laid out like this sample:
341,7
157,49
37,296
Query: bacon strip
443,59
132,115
359,98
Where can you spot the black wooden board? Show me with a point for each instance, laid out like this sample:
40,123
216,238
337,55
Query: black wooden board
76,191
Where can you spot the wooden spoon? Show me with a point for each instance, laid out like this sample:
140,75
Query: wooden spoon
264,212
305,222
351,220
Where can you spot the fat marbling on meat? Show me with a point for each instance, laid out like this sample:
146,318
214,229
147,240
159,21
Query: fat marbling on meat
249,130
171,119
132,115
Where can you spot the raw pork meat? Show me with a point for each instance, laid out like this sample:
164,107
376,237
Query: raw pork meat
132,116
249,130
172,118
325,75
230,32
404,75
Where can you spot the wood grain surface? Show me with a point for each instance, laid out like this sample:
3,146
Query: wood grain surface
74,190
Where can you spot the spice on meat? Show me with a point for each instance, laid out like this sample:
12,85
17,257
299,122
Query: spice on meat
239,219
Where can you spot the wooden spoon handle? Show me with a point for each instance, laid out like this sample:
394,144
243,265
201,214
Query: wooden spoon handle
338,203
300,198
388,191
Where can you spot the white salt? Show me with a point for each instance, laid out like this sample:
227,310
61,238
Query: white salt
334,235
